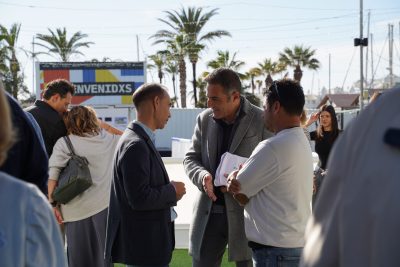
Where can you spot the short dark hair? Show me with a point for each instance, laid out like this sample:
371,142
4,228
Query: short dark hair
227,78
58,86
148,91
289,94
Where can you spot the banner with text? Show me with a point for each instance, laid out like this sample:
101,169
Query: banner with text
97,83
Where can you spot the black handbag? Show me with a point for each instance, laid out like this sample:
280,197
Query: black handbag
74,179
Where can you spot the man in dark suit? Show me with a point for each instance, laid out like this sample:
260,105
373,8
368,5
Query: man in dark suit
48,112
140,229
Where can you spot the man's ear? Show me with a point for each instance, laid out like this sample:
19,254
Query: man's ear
156,102
236,95
276,107
54,98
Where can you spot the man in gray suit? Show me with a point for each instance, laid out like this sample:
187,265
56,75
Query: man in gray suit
231,124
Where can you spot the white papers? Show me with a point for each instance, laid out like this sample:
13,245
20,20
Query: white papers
229,162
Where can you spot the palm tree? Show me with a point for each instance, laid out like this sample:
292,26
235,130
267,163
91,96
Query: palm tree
194,51
57,43
177,47
259,85
3,58
12,78
3,55
252,74
202,92
224,60
202,85
270,68
104,59
299,57
190,23
158,60
171,67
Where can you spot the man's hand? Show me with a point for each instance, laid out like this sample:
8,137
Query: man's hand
234,188
241,198
180,189
209,187
223,188
233,185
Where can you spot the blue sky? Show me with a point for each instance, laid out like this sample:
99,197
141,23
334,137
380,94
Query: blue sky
260,29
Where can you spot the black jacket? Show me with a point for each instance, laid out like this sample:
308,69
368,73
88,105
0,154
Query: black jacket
50,122
139,227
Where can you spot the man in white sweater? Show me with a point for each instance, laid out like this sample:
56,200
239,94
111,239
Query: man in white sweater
275,183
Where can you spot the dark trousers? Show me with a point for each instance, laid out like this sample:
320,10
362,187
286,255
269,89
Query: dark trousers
214,243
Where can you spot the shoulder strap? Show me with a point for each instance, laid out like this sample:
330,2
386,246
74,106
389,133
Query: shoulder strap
69,144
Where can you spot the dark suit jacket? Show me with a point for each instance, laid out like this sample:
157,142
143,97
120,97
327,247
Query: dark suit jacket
139,227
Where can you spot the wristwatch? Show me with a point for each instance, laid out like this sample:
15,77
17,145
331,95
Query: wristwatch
53,203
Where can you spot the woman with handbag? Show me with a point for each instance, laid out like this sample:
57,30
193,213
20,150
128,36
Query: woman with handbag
85,216
325,136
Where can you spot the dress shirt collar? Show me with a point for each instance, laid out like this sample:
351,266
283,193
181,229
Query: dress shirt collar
148,131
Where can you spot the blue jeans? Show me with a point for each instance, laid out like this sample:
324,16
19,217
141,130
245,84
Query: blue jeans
276,257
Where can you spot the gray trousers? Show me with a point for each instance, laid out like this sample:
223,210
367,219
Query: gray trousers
86,241
214,243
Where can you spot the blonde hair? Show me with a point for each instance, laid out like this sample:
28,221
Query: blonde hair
7,136
82,121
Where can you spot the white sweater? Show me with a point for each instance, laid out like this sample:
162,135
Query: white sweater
99,151
278,180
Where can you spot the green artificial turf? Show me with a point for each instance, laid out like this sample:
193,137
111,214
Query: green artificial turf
181,258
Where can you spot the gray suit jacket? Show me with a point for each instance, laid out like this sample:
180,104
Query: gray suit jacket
201,160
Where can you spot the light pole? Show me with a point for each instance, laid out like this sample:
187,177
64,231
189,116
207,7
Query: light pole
361,42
